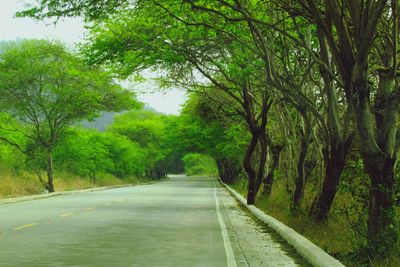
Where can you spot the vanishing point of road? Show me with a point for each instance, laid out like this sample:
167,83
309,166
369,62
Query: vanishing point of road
183,221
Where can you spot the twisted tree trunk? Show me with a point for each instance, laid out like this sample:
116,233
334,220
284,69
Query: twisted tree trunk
334,165
276,150
301,172
251,173
49,170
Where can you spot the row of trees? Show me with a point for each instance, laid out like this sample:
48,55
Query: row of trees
46,91
311,80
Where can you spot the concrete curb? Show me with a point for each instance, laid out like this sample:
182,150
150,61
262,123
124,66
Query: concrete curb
313,254
35,197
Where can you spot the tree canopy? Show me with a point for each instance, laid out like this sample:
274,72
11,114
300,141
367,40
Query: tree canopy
47,89
304,90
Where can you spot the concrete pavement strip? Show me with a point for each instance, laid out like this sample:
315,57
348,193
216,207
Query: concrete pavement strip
62,193
312,253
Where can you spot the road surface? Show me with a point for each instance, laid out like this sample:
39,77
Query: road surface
179,222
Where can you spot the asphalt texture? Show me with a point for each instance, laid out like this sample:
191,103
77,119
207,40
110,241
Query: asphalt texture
177,222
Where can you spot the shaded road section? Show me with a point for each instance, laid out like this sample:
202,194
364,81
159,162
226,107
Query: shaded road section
179,222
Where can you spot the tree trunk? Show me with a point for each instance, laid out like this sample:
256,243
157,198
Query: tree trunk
377,142
262,160
336,150
333,170
49,170
248,168
378,150
40,177
300,181
301,172
381,222
269,179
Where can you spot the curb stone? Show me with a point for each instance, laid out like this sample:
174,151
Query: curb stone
312,253
6,201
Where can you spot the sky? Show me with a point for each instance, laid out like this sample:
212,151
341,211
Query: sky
71,31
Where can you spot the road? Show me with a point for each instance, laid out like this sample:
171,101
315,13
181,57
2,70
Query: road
179,222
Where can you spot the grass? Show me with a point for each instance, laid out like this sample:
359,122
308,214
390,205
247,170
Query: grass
341,236
25,183
21,185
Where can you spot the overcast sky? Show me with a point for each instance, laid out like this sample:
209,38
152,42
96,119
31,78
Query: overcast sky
71,31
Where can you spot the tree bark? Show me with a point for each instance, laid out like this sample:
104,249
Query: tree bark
301,174
333,170
262,160
351,44
269,179
338,146
248,168
378,151
381,215
49,170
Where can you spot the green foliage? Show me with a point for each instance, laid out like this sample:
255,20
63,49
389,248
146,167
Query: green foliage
89,153
82,152
248,55
56,85
198,164
91,9
46,89
147,130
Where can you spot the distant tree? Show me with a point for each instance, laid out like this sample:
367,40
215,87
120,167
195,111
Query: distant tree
46,88
83,152
206,129
147,129
199,164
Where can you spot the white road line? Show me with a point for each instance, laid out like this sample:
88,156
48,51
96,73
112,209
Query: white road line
230,257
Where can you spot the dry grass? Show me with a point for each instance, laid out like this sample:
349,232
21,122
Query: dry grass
25,183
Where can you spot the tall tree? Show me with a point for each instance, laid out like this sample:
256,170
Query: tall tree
48,89
352,30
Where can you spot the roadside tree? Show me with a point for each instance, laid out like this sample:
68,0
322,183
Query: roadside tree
47,89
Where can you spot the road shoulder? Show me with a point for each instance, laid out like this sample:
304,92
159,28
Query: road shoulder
252,242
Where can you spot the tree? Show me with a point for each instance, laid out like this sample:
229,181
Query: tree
205,128
352,31
335,62
147,129
83,152
90,9
46,88
199,164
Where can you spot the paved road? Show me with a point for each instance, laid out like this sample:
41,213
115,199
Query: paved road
179,222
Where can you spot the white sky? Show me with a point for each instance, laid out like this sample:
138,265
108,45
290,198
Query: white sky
71,31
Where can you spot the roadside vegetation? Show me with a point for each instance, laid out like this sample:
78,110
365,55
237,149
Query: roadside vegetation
86,157
198,164
46,92
297,103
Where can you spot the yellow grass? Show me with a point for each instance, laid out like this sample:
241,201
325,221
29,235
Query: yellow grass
25,183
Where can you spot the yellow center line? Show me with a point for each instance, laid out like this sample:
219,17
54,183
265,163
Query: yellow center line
90,208
24,226
66,214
